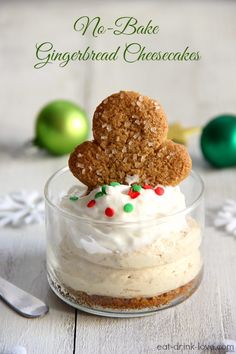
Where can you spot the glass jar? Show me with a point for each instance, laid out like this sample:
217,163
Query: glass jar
112,283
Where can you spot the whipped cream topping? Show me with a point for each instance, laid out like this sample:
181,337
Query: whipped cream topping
128,217
127,204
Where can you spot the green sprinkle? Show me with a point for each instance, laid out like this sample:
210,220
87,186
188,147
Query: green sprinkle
113,184
104,189
98,195
136,188
128,207
74,198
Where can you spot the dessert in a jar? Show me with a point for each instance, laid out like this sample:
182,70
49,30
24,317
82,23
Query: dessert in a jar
125,220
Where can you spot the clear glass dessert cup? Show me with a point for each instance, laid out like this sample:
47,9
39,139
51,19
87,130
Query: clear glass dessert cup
139,282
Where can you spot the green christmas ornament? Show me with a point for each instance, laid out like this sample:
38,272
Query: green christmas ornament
218,141
61,126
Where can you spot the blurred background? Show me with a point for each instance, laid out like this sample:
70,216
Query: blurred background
190,92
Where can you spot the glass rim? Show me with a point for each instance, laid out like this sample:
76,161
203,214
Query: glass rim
158,220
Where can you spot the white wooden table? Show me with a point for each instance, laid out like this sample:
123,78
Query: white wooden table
190,92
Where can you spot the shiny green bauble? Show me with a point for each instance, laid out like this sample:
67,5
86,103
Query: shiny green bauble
218,141
61,126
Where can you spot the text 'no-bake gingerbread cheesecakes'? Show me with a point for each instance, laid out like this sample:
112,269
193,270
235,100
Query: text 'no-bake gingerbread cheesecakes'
126,238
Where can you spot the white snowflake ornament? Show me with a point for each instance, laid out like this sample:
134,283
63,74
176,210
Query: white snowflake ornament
18,349
226,217
21,208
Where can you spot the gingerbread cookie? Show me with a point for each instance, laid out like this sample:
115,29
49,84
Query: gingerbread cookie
130,134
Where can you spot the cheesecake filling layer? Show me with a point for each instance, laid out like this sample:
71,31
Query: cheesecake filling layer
131,254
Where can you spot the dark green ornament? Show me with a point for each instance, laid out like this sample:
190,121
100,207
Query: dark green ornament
61,126
218,141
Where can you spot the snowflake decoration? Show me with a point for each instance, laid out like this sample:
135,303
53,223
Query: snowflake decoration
226,217
21,208
18,349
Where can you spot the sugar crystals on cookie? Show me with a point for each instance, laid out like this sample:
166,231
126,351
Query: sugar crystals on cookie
130,138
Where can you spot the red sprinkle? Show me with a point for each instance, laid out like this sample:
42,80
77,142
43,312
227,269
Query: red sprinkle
109,212
133,194
159,191
91,203
147,186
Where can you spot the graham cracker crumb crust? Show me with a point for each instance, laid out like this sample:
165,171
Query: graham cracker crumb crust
136,303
